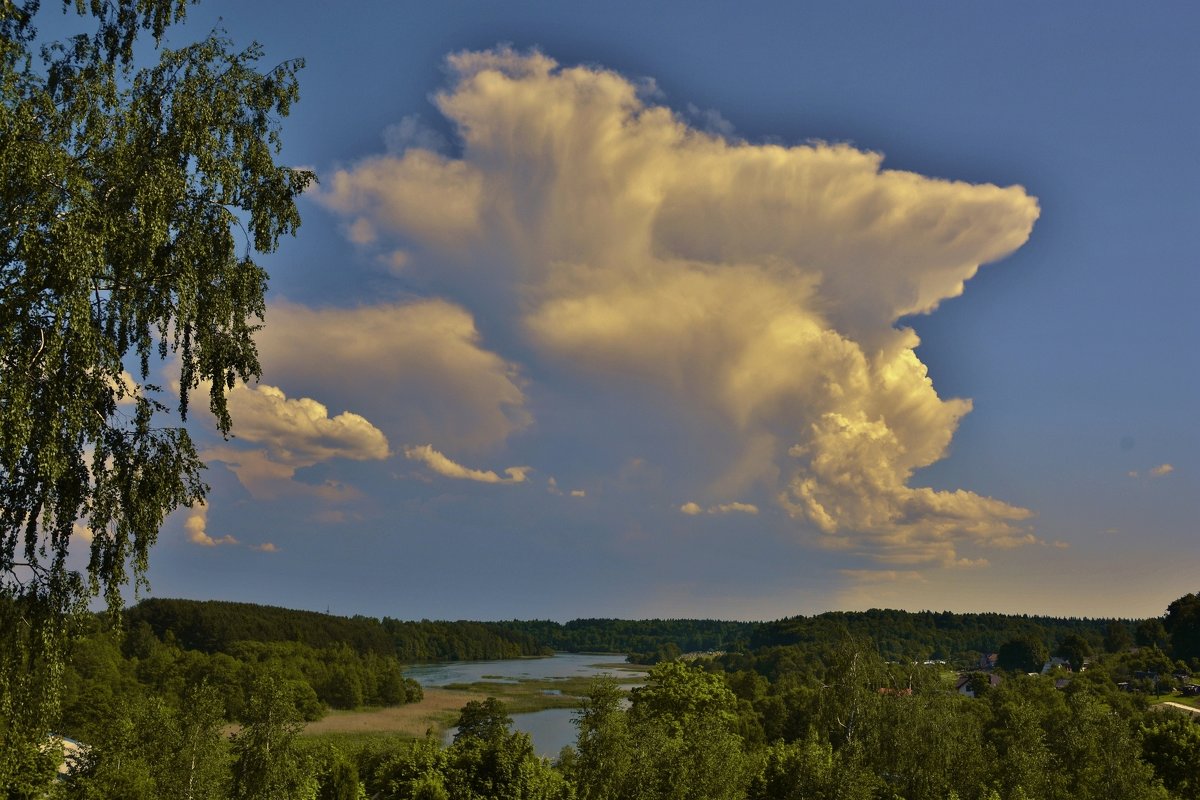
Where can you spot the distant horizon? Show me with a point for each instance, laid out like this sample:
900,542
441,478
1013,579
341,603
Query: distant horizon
351,615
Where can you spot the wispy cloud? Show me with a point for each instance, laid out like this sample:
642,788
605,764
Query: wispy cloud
552,488
1160,471
445,467
692,509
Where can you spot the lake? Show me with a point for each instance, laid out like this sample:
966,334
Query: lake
550,729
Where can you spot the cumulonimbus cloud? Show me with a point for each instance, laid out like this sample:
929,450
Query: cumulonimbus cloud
759,283
445,467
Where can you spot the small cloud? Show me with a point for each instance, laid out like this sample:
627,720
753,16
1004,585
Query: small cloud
1061,545
731,508
1161,470
265,547
444,466
692,509
552,488
197,528
300,431
396,261
82,532
293,433
1133,473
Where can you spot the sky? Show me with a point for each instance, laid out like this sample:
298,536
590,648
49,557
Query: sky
703,310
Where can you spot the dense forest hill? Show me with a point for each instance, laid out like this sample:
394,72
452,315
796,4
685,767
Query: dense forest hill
215,626
647,640
921,635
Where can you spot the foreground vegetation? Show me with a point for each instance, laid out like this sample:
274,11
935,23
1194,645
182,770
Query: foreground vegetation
816,717
852,727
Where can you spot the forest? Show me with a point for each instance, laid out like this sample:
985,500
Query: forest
807,707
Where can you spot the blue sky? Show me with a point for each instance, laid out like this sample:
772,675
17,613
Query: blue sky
614,310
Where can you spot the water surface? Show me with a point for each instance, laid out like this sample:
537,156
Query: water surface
511,670
551,729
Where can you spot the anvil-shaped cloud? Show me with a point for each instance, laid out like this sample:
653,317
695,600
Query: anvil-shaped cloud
759,285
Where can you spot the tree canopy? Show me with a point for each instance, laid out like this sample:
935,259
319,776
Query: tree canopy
134,198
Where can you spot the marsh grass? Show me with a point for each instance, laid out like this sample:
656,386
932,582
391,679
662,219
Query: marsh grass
440,708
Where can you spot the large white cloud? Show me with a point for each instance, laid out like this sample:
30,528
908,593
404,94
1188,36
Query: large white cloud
759,283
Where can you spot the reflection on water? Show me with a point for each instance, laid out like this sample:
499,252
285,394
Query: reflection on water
551,729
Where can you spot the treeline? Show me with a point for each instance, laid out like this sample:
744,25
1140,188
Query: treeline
960,639
924,635
214,626
107,668
647,641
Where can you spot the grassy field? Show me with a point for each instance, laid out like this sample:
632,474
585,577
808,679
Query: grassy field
1194,702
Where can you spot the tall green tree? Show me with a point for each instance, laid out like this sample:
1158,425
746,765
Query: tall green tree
1183,625
1171,745
488,762
1075,649
267,763
133,199
605,749
1117,637
1022,654
1152,633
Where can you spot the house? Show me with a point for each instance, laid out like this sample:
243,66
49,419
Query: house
1054,663
963,684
